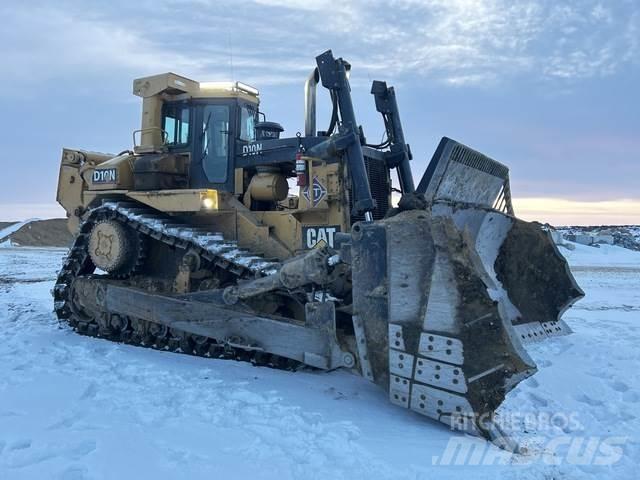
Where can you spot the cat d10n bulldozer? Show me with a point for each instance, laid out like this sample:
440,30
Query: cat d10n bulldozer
215,236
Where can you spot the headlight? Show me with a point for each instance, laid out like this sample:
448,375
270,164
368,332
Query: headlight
208,203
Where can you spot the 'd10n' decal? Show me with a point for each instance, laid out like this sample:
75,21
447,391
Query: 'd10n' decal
107,175
319,236
252,149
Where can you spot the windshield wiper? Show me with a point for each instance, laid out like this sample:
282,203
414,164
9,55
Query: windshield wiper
205,147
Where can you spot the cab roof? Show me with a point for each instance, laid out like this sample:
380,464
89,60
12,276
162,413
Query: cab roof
179,87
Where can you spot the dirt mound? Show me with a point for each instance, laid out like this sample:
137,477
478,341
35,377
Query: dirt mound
42,233
4,225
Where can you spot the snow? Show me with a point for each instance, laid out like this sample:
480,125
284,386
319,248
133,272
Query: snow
584,256
5,232
74,407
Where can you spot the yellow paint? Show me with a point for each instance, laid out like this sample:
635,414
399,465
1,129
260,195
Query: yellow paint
183,200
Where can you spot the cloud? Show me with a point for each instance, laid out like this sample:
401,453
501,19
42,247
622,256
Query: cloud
463,42
455,42
315,5
46,44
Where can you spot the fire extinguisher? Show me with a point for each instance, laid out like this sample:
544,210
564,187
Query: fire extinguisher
301,170
301,165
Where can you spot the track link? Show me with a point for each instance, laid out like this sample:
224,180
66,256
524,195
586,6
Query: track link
212,247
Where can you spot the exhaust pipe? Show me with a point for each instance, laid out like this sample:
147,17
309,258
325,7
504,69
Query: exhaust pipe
310,103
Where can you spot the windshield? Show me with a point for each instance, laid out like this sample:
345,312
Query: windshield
176,124
248,114
215,144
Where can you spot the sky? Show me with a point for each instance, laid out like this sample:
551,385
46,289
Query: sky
547,87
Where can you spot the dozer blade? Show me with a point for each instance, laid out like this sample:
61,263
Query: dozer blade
444,296
521,257
427,326
529,273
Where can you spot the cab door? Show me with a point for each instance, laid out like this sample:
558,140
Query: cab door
213,142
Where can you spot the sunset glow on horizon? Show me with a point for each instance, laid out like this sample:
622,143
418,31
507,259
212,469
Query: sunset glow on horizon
559,211
555,211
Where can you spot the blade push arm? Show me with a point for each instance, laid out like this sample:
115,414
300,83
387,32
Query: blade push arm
400,154
333,74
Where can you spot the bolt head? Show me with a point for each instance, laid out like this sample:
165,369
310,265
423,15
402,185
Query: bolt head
348,360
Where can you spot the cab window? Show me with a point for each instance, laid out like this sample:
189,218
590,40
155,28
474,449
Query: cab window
248,123
215,142
176,124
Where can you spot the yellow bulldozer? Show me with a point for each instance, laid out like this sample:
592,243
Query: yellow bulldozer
214,236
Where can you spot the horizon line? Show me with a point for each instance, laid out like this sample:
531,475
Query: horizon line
555,211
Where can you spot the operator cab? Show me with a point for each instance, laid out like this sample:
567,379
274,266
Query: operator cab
206,130
190,131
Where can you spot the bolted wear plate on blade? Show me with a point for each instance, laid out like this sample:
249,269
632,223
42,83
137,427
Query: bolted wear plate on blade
435,337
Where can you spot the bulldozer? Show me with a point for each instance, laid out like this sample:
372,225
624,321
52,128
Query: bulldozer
215,235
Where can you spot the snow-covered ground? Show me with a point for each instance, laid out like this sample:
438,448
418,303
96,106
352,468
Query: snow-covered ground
5,232
73,407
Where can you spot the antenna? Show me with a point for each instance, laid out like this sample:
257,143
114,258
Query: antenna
230,54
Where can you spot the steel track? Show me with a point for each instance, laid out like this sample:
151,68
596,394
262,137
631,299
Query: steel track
211,247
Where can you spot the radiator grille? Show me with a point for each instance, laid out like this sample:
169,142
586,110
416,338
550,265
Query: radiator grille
380,189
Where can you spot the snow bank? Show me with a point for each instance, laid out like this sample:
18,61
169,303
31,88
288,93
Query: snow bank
5,232
37,233
601,256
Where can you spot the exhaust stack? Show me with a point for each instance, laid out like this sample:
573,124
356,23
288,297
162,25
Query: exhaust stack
310,103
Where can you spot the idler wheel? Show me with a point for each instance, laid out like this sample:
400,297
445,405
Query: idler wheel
114,248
